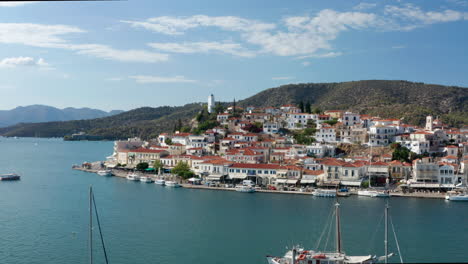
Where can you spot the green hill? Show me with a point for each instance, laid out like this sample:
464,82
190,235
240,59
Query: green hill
397,99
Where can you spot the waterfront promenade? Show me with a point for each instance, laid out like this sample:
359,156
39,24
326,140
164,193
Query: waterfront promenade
123,174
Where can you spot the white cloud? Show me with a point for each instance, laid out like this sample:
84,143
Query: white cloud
13,62
53,36
204,47
115,79
282,78
305,63
159,79
14,4
364,5
178,25
409,16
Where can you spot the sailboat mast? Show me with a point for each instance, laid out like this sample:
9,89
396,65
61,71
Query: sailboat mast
370,165
386,232
338,227
90,225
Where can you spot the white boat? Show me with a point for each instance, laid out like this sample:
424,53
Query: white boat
172,184
10,177
160,182
146,179
245,189
105,173
133,177
324,193
300,256
373,193
455,196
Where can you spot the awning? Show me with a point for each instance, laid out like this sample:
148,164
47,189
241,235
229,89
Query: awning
281,180
214,177
193,179
149,169
291,181
238,176
351,183
307,181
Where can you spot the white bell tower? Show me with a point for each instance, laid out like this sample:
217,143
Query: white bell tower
211,103
429,123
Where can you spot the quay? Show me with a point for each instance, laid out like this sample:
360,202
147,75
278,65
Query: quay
122,173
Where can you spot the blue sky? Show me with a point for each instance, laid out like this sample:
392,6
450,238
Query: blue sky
127,54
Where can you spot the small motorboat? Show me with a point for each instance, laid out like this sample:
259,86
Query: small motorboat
324,193
245,189
146,179
172,184
133,177
160,182
455,196
106,173
10,177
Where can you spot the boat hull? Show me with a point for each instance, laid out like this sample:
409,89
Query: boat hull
458,198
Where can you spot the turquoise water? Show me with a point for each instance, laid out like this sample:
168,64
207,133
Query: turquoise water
43,217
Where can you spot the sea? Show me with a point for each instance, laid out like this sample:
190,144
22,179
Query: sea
44,217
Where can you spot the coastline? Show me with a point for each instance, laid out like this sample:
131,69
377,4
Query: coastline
123,174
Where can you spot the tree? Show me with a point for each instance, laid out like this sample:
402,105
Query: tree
331,122
168,141
301,106
307,107
219,108
158,165
142,166
400,153
182,169
316,110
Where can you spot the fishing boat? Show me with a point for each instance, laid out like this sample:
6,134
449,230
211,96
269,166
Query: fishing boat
245,189
146,179
10,177
299,255
324,193
457,196
106,173
343,193
133,177
370,192
160,182
172,184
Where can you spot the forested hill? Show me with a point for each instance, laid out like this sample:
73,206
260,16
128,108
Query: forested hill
397,99
141,122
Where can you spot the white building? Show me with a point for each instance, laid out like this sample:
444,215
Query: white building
350,119
325,133
211,103
271,127
381,135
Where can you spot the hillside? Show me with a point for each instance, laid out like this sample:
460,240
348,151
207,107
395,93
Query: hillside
398,99
44,113
142,122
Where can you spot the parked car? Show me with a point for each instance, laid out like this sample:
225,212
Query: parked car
271,188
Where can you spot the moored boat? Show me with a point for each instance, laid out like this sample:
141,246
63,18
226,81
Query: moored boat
160,182
105,173
324,193
456,196
146,179
10,177
245,189
374,193
172,184
133,177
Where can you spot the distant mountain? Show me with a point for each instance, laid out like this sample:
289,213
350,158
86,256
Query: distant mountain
398,99
44,113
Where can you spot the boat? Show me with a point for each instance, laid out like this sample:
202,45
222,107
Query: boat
10,177
160,182
457,196
298,255
343,193
245,189
105,173
146,179
374,193
172,184
324,193
133,177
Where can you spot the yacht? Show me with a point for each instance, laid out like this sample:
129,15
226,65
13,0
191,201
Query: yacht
172,184
245,189
299,255
146,179
374,193
105,173
160,182
133,177
324,193
10,177
456,196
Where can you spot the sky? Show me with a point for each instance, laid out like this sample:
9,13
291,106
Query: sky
127,54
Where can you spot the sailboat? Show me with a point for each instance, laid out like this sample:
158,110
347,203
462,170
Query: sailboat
299,255
92,204
372,192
